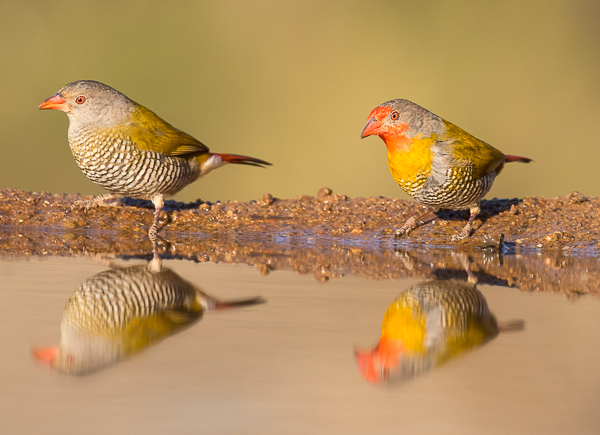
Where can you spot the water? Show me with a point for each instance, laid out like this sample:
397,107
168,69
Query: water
288,365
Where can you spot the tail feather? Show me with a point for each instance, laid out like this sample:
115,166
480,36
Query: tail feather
219,305
243,160
508,159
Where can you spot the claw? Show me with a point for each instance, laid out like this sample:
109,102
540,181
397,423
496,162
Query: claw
410,225
466,232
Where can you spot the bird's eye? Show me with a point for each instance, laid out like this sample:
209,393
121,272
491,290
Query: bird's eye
80,99
394,116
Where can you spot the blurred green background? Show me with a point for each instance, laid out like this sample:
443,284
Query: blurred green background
293,82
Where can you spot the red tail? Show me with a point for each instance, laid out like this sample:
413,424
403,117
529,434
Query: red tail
243,160
508,159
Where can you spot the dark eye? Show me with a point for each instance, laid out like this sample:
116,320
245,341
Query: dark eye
80,99
393,116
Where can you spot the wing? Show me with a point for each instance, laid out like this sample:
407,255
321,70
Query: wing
150,132
483,157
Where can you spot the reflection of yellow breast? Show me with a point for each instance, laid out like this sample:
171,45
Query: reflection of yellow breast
405,321
446,317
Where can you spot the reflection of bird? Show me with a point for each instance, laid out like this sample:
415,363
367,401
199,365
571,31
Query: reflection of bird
434,161
428,324
121,311
128,150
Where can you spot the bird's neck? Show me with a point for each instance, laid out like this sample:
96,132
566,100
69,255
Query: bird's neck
396,142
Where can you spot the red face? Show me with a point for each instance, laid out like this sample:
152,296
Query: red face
375,124
383,122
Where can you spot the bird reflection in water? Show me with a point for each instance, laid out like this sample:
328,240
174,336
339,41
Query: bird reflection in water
430,323
121,311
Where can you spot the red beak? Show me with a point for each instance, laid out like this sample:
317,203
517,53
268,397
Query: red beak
372,127
57,102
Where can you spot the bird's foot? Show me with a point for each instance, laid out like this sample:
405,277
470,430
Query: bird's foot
99,200
465,232
410,225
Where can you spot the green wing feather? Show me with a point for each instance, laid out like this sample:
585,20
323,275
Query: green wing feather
150,132
466,147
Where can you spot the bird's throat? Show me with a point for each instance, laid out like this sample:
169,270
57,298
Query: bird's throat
396,142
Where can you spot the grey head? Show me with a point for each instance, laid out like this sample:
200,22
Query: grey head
91,104
392,115
419,119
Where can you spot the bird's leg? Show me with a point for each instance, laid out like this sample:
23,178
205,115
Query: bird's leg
410,225
466,231
466,263
156,263
159,203
96,201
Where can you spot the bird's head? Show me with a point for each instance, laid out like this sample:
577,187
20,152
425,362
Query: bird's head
91,104
399,121
387,120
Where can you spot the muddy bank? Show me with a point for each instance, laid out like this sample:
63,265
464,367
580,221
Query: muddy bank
564,223
535,244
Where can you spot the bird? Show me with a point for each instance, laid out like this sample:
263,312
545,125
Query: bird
129,150
119,312
437,163
428,324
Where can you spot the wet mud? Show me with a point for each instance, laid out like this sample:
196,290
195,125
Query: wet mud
535,244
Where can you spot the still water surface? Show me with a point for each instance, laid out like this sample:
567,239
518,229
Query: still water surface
288,365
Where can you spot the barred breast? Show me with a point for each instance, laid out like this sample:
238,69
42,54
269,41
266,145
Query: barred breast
115,163
459,190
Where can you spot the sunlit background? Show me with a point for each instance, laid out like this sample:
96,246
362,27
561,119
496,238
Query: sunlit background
292,82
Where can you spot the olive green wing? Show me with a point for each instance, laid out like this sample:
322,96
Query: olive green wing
150,132
483,157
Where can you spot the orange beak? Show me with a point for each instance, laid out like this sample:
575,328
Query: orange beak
47,355
372,127
56,101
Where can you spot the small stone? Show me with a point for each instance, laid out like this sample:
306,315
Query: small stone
266,200
324,191
576,198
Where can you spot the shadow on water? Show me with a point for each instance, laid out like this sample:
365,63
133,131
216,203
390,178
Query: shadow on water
121,311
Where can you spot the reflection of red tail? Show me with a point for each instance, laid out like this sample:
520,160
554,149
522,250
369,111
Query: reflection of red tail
508,159
236,304
243,160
